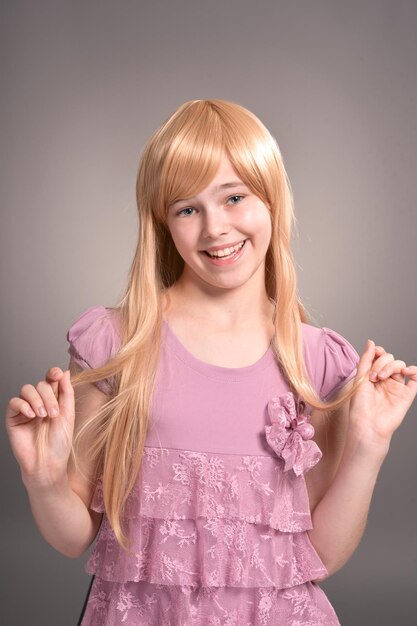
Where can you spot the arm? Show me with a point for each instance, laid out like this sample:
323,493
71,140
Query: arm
59,495
341,497
62,517
342,489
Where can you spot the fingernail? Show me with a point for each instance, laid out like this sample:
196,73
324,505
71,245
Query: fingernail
42,411
373,376
53,412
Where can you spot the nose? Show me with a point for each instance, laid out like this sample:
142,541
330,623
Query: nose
215,223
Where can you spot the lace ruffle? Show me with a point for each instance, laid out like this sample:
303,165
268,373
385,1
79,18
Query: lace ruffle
183,484
204,552
130,604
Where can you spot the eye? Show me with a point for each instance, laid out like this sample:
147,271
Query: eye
186,211
240,198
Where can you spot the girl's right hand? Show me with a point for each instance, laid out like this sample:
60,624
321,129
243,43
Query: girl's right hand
41,440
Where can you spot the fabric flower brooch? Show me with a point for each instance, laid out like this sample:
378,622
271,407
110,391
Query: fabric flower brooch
290,434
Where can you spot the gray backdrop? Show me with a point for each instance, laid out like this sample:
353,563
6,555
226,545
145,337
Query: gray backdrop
84,84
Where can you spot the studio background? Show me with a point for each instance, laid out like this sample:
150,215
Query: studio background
84,84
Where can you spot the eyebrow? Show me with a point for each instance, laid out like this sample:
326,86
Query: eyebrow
231,184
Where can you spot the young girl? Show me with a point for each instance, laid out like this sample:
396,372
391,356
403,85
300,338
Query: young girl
223,450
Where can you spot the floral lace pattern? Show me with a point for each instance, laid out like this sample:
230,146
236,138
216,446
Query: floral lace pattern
211,552
183,484
131,604
215,539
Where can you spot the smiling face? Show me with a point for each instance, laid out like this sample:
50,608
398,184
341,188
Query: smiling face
223,233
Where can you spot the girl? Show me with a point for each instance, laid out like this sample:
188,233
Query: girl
222,449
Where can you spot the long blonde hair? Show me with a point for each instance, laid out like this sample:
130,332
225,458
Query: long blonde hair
180,159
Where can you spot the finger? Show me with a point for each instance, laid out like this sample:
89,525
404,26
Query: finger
18,406
390,369
382,360
32,396
366,359
379,364
399,378
54,373
66,395
48,398
411,372
53,376
378,351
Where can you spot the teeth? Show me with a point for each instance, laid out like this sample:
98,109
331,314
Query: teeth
226,251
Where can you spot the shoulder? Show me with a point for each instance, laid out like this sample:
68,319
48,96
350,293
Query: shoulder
331,360
94,337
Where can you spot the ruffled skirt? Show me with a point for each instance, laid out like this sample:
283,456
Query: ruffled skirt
216,540
147,604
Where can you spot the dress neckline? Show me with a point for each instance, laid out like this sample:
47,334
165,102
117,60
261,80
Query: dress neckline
215,370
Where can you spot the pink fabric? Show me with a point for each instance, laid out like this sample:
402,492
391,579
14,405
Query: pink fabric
182,484
93,339
239,511
219,516
291,434
145,604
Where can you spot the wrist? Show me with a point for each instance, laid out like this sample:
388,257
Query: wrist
366,445
40,484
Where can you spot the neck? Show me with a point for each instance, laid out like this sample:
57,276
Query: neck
244,306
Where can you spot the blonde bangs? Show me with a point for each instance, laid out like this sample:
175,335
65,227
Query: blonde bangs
190,145
253,152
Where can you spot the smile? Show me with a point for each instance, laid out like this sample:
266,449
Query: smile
225,253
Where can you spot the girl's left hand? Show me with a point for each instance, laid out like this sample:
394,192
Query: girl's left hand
382,400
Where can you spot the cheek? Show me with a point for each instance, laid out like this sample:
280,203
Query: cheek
182,238
256,219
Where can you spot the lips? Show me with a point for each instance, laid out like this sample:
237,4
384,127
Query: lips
231,256
227,252
224,246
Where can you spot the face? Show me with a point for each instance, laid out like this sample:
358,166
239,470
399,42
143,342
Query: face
223,233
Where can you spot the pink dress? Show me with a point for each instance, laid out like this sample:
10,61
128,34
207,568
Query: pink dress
219,516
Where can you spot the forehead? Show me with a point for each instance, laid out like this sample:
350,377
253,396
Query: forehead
226,177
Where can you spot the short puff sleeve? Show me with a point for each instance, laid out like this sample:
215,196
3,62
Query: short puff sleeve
94,339
336,364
